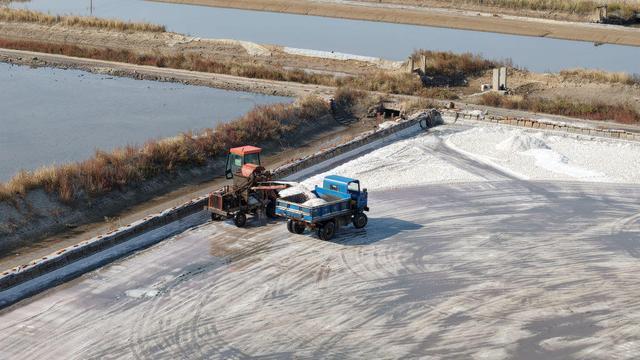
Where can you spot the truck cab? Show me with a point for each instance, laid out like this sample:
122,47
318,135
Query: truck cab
345,185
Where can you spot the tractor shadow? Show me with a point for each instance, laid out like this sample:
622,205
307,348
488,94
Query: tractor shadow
378,229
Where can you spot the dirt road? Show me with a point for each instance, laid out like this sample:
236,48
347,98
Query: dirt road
457,19
493,268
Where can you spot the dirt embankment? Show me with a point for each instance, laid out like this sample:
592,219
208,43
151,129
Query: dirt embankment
240,52
172,44
438,17
572,10
374,74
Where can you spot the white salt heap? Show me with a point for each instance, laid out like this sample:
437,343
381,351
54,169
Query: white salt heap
314,202
297,190
550,156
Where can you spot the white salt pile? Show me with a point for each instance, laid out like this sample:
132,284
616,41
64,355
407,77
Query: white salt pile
296,190
314,202
522,142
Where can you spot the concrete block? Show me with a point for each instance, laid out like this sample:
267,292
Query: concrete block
503,79
495,82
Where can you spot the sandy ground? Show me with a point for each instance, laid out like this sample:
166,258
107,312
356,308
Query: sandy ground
553,85
439,17
485,8
495,267
224,50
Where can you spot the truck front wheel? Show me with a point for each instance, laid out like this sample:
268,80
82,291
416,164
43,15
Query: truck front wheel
360,220
327,231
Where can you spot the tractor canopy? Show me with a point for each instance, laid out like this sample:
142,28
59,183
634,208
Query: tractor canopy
245,150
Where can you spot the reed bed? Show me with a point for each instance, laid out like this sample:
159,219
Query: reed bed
24,15
625,113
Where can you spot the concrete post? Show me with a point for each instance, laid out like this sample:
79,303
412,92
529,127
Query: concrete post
503,78
423,64
411,64
495,83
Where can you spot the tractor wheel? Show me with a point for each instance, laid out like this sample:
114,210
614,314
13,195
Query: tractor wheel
271,209
327,231
298,228
214,217
360,220
290,226
240,219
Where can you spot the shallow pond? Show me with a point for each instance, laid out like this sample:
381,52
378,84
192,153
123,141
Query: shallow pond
54,116
391,41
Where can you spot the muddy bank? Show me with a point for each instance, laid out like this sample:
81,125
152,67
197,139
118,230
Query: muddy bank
456,19
220,81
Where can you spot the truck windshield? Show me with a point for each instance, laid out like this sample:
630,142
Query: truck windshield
354,187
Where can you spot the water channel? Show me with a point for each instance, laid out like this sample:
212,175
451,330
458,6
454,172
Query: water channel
54,116
391,41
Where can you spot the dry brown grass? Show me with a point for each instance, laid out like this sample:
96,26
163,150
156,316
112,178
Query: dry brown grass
23,15
442,65
572,7
623,9
600,76
419,104
131,165
446,63
625,114
386,82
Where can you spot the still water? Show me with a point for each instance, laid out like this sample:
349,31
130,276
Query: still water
52,116
391,41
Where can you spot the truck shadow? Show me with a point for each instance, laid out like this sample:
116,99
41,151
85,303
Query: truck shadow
377,229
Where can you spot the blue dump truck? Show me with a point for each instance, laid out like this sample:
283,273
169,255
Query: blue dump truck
342,201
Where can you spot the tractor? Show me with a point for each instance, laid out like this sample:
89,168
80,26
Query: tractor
252,192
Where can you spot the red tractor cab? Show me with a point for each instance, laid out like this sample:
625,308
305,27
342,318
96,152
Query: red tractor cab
242,161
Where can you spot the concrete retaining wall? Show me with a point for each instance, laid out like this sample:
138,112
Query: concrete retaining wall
68,255
546,125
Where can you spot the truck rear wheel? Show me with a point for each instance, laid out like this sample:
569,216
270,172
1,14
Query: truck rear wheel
290,226
240,219
327,231
360,220
298,228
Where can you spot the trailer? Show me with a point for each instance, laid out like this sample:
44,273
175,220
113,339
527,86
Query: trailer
341,202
